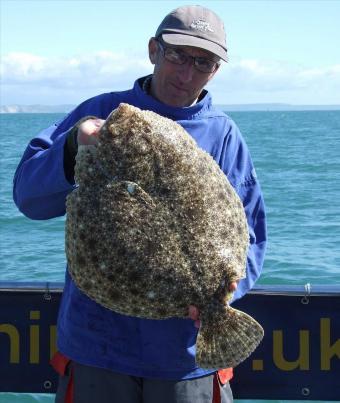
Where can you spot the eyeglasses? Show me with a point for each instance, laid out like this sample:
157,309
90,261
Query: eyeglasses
177,56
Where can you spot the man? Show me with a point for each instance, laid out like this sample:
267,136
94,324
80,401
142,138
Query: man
104,356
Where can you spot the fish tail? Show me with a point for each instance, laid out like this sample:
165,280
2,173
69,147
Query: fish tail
226,337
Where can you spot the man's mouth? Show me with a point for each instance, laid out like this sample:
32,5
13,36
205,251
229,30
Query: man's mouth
178,88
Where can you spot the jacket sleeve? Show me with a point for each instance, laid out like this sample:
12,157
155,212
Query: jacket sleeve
237,164
45,174
40,183
40,187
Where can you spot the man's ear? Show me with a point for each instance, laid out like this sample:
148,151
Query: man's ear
153,49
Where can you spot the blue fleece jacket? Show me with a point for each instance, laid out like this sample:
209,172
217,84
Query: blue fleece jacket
89,333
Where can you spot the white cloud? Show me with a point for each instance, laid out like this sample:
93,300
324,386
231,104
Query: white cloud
84,70
249,81
28,78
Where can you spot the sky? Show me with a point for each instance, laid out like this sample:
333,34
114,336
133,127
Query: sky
63,52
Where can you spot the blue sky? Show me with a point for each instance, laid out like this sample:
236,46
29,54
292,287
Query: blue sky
57,52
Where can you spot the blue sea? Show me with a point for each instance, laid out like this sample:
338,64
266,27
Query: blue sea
297,159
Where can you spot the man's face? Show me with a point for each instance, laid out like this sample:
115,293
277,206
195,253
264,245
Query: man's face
174,84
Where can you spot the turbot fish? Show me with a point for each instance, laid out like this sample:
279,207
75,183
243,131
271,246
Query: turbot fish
154,226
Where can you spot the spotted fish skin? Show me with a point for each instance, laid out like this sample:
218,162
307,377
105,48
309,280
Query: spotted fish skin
155,226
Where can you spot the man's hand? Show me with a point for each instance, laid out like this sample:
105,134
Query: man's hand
88,131
194,313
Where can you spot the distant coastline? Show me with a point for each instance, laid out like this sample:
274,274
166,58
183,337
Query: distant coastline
277,107
36,108
228,108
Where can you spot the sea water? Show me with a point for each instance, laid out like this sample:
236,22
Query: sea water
297,160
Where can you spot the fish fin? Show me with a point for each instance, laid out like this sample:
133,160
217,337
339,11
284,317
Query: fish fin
226,337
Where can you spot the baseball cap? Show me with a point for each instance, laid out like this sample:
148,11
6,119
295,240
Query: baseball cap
194,26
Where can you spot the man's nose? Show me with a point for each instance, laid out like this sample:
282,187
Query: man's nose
187,70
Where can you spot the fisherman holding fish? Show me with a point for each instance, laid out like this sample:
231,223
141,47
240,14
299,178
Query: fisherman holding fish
109,357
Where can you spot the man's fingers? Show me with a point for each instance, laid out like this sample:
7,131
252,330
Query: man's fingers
98,123
91,127
233,286
88,131
197,324
193,312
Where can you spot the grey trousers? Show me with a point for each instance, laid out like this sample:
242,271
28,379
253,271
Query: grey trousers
96,385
